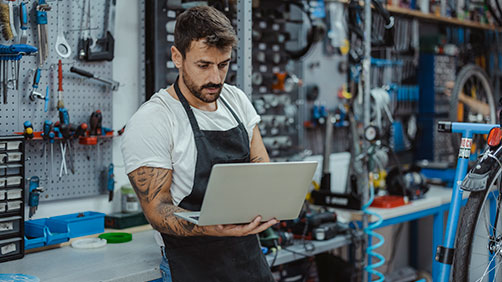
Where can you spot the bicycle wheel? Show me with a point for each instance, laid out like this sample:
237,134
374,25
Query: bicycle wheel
472,97
472,101
478,252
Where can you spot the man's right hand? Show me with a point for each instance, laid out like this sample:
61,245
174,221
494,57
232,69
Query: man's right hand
238,230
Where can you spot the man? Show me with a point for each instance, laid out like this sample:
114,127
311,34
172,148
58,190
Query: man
174,139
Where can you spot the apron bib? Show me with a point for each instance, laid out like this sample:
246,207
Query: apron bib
207,258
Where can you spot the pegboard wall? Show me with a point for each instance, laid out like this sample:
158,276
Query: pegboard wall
81,96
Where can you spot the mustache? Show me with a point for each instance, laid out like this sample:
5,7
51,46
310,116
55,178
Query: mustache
212,85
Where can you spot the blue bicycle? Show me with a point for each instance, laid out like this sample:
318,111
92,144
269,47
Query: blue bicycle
477,252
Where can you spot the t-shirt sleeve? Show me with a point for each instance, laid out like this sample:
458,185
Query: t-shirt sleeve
251,117
147,140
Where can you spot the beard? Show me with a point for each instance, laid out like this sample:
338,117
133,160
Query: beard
197,90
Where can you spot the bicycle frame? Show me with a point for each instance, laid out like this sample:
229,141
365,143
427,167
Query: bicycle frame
467,130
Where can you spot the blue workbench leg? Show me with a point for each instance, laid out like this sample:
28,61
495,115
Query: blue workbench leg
437,237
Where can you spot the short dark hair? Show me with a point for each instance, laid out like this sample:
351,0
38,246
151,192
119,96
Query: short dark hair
203,22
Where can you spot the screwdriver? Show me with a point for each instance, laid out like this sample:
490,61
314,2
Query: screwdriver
51,141
45,135
64,116
65,131
95,122
80,131
28,129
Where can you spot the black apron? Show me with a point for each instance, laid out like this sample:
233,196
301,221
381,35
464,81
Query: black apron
207,258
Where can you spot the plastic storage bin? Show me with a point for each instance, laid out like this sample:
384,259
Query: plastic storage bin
54,232
82,224
34,242
10,225
34,236
9,248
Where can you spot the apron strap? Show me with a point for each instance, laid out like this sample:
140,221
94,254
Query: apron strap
191,116
231,111
188,110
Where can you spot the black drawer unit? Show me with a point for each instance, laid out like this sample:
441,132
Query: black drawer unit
12,197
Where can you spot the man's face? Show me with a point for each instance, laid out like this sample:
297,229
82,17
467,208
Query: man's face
204,70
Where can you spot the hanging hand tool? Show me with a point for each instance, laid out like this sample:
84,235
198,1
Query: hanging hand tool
46,105
63,159
23,23
11,18
34,195
65,131
43,49
62,47
34,94
51,141
57,132
45,135
37,95
60,85
95,122
12,54
64,117
28,130
84,30
110,183
80,131
6,27
114,84
106,43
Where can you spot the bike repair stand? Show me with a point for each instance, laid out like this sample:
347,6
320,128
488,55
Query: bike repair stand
444,254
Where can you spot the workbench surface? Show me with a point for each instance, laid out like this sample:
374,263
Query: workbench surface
137,260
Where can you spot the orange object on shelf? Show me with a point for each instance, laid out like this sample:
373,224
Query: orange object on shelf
37,135
88,140
91,140
388,202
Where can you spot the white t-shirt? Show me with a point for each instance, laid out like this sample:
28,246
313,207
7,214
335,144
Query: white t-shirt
159,134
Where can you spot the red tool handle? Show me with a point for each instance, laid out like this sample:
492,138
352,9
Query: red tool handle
60,76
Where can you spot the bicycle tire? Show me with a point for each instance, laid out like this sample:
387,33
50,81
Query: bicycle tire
463,76
464,242
481,79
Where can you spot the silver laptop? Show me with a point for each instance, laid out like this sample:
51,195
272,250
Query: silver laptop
237,193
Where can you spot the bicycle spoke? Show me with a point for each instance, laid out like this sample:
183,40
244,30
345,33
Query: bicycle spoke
477,266
487,270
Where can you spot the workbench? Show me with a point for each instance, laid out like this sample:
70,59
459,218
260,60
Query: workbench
435,202
139,259
133,261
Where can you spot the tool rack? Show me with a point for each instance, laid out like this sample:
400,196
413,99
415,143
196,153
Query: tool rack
82,96
12,202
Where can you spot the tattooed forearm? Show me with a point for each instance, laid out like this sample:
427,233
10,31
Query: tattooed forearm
175,226
148,182
152,185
